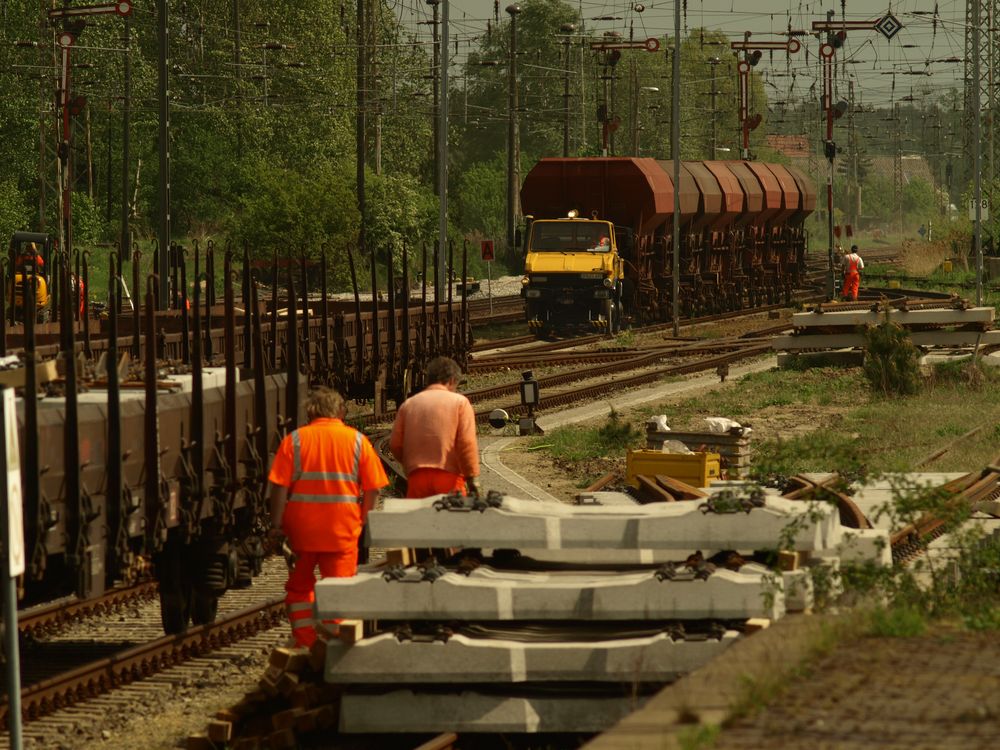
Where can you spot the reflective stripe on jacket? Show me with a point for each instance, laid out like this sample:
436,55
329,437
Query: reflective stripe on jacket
326,467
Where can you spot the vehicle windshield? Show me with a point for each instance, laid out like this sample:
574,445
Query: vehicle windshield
570,236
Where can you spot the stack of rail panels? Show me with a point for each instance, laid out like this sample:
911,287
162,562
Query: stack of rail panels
568,642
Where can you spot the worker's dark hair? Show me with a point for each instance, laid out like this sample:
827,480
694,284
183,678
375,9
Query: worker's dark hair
442,370
324,402
853,248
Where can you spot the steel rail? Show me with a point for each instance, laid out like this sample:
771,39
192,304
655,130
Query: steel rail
46,618
138,662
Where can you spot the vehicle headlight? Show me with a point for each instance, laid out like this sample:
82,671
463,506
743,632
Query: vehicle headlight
609,282
525,280
533,293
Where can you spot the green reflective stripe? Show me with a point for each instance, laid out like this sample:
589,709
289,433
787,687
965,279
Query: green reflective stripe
296,456
323,499
299,606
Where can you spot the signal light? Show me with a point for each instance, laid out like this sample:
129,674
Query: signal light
755,57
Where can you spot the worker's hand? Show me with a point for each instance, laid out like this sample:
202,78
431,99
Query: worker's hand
474,487
274,539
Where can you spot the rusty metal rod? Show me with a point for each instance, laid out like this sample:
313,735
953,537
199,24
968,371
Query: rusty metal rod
292,358
247,302
391,331
76,513
230,359
185,312
376,359
324,362
406,317
136,325
30,474
209,296
117,544
156,530
274,310
197,392
359,328
84,287
306,345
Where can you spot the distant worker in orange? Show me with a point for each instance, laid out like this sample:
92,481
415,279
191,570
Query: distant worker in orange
434,436
30,257
852,265
324,481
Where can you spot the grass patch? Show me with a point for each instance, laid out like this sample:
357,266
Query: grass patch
612,438
902,621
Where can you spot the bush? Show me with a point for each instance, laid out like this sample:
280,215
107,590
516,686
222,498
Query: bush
892,363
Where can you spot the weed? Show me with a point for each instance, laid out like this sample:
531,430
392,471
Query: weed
901,621
698,737
892,362
625,339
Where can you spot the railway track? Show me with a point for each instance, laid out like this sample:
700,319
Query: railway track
47,619
74,675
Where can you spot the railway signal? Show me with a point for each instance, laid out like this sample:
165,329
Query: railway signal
836,31
752,53
72,106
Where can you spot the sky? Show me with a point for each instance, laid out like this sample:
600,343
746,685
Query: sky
931,40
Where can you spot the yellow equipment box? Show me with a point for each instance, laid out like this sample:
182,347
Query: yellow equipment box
697,469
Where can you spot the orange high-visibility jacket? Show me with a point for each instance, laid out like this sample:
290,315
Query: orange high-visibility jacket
326,466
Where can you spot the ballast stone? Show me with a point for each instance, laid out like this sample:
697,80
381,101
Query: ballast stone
487,594
463,711
682,526
386,659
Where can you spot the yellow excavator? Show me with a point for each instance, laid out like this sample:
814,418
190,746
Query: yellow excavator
30,256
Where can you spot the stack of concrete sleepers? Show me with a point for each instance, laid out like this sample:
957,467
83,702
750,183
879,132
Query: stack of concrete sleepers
733,447
948,326
604,604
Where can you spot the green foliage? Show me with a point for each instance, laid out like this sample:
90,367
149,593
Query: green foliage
482,198
89,226
295,212
919,199
892,362
14,214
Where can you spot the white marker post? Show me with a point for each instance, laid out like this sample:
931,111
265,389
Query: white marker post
12,536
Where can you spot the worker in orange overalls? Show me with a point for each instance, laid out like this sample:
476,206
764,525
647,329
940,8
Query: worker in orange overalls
434,436
324,480
852,265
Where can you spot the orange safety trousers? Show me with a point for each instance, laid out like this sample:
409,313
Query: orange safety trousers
301,594
427,482
852,279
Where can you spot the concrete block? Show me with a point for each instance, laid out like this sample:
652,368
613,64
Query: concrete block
682,526
798,589
386,659
853,340
865,545
911,317
468,712
488,594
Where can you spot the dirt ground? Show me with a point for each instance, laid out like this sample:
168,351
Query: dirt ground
940,690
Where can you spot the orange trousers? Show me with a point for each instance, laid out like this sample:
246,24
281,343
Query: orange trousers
301,585
427,482
851,282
